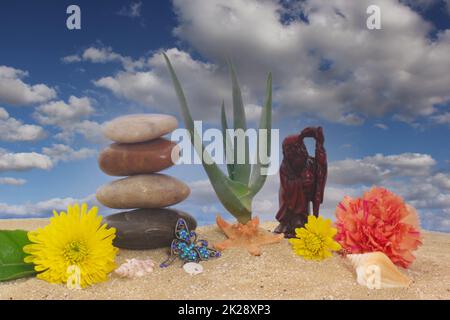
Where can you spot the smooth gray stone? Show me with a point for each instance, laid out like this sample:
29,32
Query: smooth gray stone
147,228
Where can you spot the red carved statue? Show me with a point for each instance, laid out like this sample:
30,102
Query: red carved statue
302,179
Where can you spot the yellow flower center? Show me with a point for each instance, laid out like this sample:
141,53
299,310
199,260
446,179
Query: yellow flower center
75,252
314,243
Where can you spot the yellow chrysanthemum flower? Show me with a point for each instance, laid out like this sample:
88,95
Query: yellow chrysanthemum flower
315,240
75,239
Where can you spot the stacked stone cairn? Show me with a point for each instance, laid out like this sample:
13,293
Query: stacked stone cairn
139,152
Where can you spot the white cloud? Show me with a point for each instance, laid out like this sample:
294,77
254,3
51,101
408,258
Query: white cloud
101,55
105,55
410,175
351,119
61,152
12,129
43,208
72,118
61,113
421,4
12,181
442,180
24,161
153,88
379,168
436,220
381,126
50,156
16,92
266,201
212,209
405,164
202,191
355,171
133,10
252,112
365,78
424,194
90,130
443,118
71,58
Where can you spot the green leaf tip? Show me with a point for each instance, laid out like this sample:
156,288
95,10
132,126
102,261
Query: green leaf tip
241,170
227,143
257,179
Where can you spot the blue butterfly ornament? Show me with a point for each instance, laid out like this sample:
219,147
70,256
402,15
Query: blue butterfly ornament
186,247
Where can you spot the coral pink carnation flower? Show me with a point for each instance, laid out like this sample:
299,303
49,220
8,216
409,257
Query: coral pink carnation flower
379,221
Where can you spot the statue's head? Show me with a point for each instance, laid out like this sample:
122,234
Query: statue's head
295,152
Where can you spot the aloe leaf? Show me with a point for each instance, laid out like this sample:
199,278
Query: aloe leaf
241,171
227,147
12,265
257,179
211,168
233,195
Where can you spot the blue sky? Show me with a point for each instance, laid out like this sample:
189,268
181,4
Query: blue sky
382,96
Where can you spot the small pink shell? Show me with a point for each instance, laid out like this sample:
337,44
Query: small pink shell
135,268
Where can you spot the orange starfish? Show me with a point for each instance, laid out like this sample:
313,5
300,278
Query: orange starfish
248,236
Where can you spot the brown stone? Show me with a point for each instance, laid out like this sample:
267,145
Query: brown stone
143,191
127,159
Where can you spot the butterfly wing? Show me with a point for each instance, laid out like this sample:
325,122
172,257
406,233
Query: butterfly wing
204,252
180,245
182,232
186,246
174,252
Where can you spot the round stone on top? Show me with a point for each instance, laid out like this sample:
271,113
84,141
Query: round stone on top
139,127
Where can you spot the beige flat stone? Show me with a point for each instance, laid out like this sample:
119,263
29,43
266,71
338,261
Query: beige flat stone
139,127
143,191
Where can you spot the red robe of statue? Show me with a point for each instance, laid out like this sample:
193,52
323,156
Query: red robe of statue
302,180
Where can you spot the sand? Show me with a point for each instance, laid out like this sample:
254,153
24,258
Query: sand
276,274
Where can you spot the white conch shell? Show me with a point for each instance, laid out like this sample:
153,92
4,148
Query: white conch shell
193,268
376,271
135,268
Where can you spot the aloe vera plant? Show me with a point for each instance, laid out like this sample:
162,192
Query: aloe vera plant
237,190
